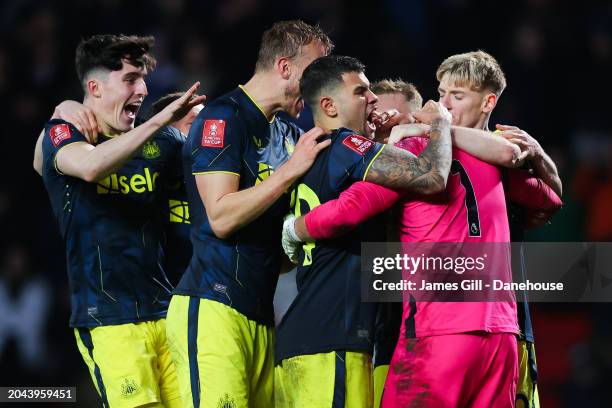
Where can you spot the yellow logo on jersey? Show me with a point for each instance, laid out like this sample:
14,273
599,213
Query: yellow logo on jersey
137,183
179,211
263,172
289,145
257,142
151,150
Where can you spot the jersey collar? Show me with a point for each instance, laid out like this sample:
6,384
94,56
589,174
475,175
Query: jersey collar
252,101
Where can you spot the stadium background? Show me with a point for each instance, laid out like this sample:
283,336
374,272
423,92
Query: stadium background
557,57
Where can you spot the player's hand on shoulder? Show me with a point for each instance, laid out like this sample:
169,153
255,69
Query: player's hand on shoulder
82,117
180,107
306,151
433,111
401,132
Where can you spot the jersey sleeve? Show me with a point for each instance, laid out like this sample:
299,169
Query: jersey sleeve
414,145
217,145
360,201
531,193
58,134
353,155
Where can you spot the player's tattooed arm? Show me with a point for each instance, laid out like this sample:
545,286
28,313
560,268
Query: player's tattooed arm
426,173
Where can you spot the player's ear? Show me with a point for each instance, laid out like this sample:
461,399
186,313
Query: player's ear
328,106
93,88
489,102
283,67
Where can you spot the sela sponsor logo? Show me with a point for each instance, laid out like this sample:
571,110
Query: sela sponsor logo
358,144
179,211
264,171
59,133
213,133
136,183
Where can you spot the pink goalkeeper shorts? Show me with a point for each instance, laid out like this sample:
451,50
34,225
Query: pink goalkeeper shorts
476,370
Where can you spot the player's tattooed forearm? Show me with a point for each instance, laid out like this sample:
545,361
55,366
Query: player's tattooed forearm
427,173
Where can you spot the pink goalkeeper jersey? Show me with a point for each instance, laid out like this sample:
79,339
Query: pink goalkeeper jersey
472,209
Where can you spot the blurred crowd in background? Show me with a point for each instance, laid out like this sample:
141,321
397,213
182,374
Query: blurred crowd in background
556,55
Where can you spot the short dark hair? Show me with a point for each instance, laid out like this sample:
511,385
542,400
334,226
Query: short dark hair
108,51
285,38
324,73
164,101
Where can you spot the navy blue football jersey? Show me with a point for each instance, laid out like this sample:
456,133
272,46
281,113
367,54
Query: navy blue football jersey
112,230
232,135
516,221
327,313
176,219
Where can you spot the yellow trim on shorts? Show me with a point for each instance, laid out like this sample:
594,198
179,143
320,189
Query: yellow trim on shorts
215,171
372,161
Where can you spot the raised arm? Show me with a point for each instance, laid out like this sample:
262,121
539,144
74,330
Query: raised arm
229,209
426,173
92,163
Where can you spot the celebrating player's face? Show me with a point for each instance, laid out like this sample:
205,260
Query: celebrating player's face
293,98
465,104
356,102
121,95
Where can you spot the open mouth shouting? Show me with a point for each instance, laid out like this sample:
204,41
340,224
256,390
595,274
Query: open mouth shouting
372,121
130,110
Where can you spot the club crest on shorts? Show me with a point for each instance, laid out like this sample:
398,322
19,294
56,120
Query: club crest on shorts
226,402
213,133
358,144
129,387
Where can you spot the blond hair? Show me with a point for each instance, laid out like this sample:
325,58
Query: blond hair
398,86
476,69
285,38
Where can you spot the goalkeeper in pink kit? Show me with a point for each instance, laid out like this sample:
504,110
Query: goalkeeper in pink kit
450,354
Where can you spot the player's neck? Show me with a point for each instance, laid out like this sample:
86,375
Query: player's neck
483,123
107,130
262,91
326,123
